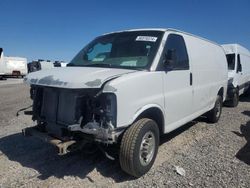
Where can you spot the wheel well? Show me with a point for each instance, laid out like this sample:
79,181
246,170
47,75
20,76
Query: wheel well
155,114
221,92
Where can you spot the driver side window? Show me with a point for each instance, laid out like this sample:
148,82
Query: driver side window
175,45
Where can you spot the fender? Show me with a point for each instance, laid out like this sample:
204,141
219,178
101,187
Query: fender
146,107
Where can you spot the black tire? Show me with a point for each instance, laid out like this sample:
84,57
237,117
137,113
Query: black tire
247,93
131,144
235,100
213,115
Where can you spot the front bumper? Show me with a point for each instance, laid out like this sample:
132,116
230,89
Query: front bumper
107,135
88,134
63,146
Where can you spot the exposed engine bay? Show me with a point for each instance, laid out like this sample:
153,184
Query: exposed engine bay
75,114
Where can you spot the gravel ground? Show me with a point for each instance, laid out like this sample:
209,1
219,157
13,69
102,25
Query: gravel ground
211,155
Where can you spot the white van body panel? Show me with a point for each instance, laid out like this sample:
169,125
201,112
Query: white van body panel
170,91
208,67
137,92
239,79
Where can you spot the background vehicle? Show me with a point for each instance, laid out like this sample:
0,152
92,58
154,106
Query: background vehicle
238,59
1,63
128,88
13,66
44,65
34,66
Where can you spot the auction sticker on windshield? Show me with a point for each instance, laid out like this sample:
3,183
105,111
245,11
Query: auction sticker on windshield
146,38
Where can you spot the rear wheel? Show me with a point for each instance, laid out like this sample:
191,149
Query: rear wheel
139,147
214,114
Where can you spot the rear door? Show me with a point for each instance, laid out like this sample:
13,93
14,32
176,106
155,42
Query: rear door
177,83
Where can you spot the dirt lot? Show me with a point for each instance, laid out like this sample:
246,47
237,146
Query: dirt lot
212,155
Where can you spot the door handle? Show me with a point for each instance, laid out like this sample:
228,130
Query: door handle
191,78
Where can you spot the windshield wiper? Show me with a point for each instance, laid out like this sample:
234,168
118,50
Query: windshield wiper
98,65
106,65
89,65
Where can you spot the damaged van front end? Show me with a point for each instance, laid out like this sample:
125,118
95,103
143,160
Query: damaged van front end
64,111
69,115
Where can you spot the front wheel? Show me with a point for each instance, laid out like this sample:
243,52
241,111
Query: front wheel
214,114
139,147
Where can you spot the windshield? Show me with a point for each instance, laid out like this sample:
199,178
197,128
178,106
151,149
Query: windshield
134,50
231,61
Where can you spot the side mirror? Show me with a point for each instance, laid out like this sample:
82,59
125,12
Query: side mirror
169,59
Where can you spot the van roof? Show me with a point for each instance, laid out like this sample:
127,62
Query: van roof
164,30
235,48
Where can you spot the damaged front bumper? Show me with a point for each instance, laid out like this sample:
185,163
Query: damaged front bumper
106,135
92,132
63,146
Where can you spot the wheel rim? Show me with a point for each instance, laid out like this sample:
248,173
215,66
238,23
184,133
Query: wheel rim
147,148
217,109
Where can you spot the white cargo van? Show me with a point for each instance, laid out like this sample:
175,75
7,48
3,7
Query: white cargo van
238,59
128,88
15,66
45,65
12,66
63,64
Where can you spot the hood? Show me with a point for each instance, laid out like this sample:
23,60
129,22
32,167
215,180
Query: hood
74,77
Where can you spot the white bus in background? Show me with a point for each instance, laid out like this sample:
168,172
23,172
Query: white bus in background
15,66
1,63
12,66
238,59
